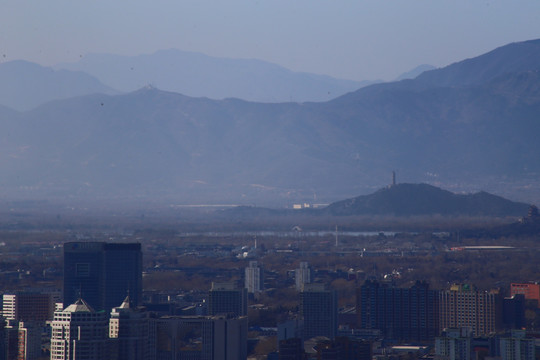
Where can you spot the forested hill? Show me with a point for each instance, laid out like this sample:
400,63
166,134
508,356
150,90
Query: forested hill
423,199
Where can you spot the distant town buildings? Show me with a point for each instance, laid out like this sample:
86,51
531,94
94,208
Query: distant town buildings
254,278
303,275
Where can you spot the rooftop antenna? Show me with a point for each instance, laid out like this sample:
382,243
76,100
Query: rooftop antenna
393,178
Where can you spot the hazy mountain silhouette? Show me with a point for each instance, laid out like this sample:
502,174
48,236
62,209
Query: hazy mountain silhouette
413,73
199,75
512,58
152,143
424,199
26,85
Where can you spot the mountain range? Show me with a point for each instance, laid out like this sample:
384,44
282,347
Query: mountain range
200,75
472,125
26,85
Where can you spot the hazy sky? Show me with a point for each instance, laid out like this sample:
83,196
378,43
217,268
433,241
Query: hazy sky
354,39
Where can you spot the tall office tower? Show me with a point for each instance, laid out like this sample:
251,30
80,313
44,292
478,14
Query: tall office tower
23,340
254,279
531,291
201,337
79,333
454,344
517,347
319,309
514,312
407,314
464,306
227,298
303,275
102,273
129,332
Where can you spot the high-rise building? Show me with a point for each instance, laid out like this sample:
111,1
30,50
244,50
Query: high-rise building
102,273
303,275
201,337
531,291
465,306
28,306
517,346
319,309
23,341
454,344
227,298
407,314
79,333
129,331
254,279
514,312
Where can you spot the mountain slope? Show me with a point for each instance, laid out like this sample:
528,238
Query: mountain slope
423,199
26,85
512,58
151,143
199,75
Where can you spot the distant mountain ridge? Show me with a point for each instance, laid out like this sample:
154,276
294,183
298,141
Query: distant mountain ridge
484,68
413,73
199,75
157,144
25,85
424,199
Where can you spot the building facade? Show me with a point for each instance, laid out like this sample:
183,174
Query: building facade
303,275
531,291
404,314
79,333
319,309
227,298
102,273
254,278
129,331
465,306
23,340
517,346
201,337
28,306
454,344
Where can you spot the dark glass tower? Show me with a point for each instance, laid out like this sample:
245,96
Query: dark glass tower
227,298
102,273
408,314
319,310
